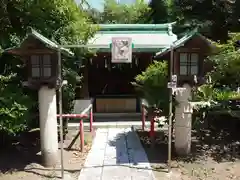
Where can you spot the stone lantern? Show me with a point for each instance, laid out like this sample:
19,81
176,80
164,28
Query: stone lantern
41,58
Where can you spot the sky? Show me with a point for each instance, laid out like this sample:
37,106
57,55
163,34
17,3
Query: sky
98,4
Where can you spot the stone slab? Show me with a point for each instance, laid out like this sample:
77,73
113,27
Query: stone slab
141,169
91,174
116,154
116,173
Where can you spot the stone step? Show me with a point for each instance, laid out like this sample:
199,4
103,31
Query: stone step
112,117
117,114
116,117
122,124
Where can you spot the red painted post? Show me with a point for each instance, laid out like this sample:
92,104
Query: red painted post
91,119
81,129
152,131
143,117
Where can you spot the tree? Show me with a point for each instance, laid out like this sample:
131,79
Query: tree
216,19
162,11
59,20
126,14
220,90
224,75
236,17
152,85
226,64
94,15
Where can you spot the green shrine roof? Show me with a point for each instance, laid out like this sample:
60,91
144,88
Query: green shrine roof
140,27
180,42
145,37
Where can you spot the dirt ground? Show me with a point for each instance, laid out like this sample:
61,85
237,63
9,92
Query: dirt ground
213,157
23,161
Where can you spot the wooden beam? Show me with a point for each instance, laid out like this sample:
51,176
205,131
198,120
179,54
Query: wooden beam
24,52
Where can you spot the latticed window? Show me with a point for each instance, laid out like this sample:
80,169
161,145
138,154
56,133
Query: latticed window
41,66
47,68
35,64
188,63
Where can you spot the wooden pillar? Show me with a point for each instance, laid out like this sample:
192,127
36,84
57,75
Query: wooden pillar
176,64
84,90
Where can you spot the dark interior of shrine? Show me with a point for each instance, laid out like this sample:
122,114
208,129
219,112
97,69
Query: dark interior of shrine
106,78
109,84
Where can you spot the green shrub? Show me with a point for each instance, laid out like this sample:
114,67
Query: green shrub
15,106
152,85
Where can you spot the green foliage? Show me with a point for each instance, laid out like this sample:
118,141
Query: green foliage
59,20
207,92
218,18
221,91
121,13
225,74
226,62
152,85
14,106
204,93
162,11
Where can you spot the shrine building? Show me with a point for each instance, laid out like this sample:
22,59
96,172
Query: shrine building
108,79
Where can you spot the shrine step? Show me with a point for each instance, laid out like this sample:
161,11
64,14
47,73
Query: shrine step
107,120
125,124
116,117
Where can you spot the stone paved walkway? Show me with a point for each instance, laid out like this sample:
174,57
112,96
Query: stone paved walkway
116,154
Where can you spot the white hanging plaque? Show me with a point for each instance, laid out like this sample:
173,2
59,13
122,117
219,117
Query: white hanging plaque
174,78
121,50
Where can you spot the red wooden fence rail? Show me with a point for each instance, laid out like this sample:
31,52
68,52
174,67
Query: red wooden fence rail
152,121
81,116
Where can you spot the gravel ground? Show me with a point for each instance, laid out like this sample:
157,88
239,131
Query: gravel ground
23,161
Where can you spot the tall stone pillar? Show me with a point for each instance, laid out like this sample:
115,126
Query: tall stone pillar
183,124
48,125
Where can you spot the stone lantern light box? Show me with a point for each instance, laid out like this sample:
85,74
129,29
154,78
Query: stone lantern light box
41,58
42,69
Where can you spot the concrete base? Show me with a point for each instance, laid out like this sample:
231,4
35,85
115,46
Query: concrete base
48,126
49,159
183,143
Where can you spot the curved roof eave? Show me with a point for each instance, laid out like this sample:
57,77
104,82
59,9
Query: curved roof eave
49,44
182,41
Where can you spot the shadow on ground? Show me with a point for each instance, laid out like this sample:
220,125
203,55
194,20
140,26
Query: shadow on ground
133,152
23,160
157,154
219,140
120,144
23,150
